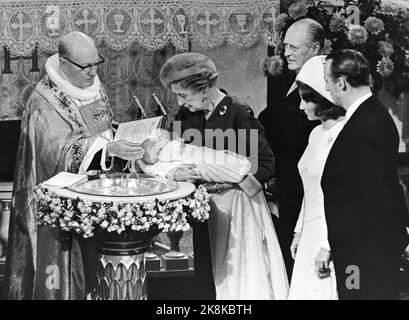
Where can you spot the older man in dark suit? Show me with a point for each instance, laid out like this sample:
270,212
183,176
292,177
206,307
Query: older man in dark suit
287,128
364,205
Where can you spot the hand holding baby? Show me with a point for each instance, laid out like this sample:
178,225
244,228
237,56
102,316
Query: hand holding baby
186,172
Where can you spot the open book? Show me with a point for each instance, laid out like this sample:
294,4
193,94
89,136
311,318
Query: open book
64,179
139,130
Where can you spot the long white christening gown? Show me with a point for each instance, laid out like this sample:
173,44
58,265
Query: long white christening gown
246,256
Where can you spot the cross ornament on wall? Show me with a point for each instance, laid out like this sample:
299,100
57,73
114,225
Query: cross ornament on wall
207,22
21,25
152,21
85,21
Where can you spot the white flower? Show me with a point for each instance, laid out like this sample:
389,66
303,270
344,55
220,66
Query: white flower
407,58
104,224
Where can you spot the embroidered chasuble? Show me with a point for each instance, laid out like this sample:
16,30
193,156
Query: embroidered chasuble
59,132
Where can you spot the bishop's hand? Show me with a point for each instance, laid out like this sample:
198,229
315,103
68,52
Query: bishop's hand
125,150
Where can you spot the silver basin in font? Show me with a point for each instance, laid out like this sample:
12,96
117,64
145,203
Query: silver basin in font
124,185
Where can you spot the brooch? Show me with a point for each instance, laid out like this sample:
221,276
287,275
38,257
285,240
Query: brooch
223,110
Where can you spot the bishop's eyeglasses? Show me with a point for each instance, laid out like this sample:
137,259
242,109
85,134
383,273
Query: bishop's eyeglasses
101,61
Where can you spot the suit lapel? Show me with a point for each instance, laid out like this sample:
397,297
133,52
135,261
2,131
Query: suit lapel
340,145
292,88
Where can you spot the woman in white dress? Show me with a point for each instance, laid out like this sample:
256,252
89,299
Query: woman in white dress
313,274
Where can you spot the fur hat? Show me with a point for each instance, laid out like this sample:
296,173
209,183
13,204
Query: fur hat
183,65
312,74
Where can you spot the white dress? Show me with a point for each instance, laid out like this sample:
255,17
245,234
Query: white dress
246,256
305,284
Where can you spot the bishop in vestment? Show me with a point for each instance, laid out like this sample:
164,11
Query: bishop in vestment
66,126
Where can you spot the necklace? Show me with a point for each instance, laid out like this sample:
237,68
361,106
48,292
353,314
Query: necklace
327,125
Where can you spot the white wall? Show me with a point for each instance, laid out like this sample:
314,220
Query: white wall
239,72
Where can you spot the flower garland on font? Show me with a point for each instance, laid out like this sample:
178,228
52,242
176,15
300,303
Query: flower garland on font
85,217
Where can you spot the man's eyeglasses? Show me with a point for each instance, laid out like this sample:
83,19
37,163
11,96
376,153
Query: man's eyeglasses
101,61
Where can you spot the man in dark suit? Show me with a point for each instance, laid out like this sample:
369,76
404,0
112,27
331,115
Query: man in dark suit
364,205
287,128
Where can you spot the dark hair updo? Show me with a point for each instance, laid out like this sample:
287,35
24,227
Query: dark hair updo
325,108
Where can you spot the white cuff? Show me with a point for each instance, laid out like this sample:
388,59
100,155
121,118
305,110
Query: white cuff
250,186
161,169
104,158
97,145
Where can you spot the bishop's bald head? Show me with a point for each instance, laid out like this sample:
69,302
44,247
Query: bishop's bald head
77,50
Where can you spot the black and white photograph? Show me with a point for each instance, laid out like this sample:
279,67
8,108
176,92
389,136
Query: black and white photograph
222,152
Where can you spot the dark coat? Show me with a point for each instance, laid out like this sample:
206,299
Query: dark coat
364,204
228,114
287,131
237,116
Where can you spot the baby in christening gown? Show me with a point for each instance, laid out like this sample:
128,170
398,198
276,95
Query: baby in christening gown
163,157
246,256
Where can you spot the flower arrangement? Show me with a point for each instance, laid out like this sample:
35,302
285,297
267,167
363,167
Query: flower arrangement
272,65
382,35
85,217
357,35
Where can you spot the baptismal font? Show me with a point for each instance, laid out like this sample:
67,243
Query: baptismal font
125,211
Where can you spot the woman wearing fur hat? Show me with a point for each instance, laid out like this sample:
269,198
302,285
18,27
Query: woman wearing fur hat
239,244
313,274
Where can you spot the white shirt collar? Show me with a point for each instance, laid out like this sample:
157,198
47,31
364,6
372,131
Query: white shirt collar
354,106
292,88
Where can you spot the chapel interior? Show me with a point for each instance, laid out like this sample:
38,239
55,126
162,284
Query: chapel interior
133,59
